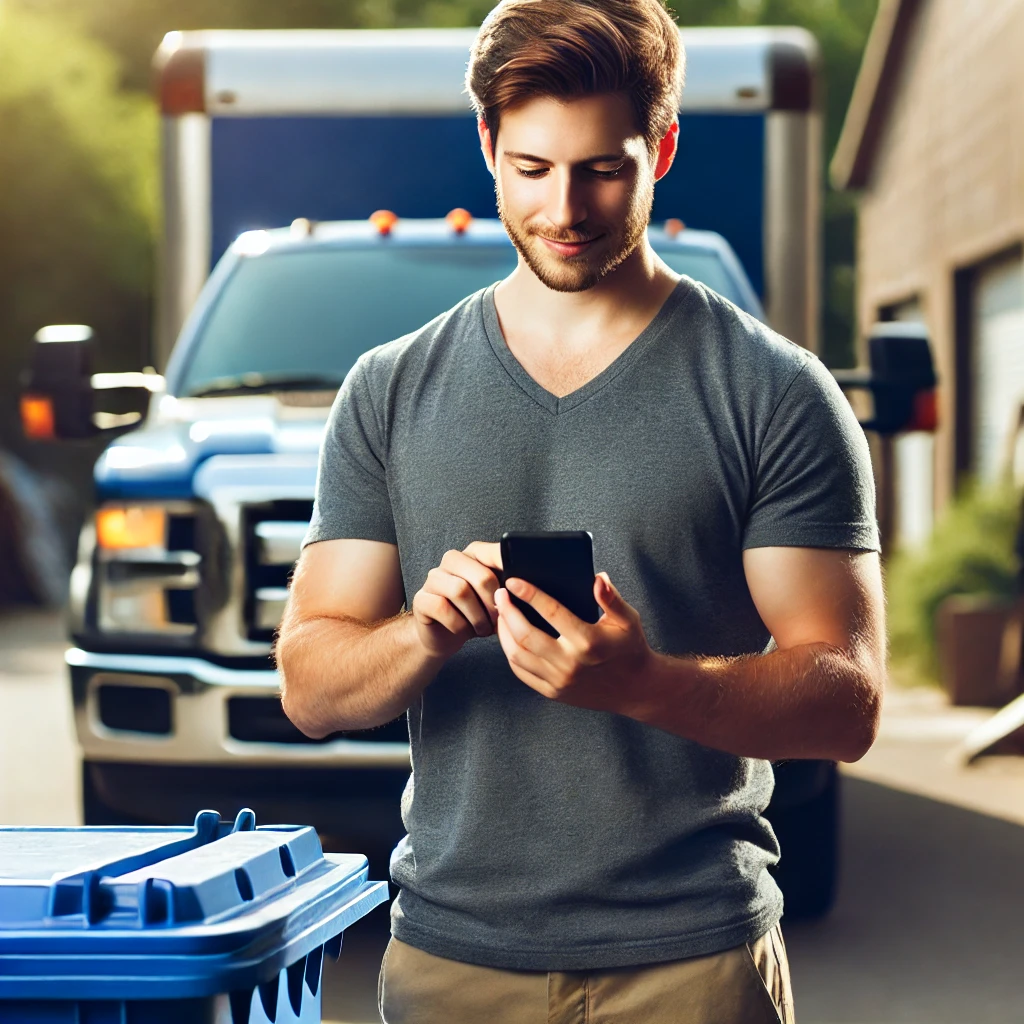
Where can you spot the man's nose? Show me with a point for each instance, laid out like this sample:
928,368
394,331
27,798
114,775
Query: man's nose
567,205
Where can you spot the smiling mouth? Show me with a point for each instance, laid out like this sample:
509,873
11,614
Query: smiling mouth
567,248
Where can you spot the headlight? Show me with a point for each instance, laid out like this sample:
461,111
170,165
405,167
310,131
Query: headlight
148,569
137,526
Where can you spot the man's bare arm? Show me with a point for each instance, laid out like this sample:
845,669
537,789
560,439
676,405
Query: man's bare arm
349,659
818,696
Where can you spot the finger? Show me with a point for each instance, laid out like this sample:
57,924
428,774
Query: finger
612,603
431,608
525,633
526,666
549,609
461,594
477,574
519,657
486,552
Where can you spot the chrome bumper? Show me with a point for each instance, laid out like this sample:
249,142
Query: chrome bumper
199,692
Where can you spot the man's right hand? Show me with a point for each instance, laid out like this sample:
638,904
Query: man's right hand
456,603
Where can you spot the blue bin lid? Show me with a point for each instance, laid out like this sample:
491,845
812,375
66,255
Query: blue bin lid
175,912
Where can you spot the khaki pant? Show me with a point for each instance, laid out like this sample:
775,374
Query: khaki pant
745,985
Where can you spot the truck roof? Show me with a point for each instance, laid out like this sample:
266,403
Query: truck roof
437,230
331,71
483,231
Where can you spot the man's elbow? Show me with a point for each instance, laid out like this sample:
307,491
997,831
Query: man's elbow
864,725
296,699
299,712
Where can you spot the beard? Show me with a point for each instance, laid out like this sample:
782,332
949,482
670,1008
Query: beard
582,272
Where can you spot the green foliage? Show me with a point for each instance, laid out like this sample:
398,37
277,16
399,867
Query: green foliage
78,206
971,551
133,28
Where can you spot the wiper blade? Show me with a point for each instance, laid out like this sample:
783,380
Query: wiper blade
263,383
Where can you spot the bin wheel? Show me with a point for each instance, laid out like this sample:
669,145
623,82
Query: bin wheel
95,810
808,835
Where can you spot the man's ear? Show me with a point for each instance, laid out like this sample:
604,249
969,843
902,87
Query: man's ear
486,144
666,151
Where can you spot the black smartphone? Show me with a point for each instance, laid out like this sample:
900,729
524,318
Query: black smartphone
559,562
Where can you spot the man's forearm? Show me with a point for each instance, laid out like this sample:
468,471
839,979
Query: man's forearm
811,701
345,674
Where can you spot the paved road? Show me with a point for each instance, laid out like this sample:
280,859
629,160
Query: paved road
929,927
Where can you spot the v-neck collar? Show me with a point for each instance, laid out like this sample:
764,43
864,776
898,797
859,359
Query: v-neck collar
544,398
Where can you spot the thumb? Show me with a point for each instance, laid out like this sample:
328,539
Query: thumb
611,601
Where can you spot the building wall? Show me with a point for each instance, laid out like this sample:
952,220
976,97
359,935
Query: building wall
947,185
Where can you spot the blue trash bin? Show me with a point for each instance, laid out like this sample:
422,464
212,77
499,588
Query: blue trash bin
215,924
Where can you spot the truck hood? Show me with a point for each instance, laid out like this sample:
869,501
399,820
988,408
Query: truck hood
252,435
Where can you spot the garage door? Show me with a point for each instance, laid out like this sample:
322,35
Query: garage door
998,336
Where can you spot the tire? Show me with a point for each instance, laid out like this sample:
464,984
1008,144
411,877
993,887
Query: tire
808,834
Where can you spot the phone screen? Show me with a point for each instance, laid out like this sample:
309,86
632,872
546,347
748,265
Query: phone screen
561,563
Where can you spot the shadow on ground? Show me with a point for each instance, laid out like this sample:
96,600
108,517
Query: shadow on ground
929,925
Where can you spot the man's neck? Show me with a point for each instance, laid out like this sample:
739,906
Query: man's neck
613,312
565,339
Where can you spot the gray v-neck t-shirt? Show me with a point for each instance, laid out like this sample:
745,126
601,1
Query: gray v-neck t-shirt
548,837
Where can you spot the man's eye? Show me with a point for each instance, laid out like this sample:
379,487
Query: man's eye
536,172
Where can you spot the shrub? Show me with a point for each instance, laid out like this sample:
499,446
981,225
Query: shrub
971,551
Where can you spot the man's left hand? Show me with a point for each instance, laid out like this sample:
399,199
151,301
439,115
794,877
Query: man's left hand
597,666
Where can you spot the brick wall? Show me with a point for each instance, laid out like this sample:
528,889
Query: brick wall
947,185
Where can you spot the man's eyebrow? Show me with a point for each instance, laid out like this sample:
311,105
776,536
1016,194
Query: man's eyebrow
604,158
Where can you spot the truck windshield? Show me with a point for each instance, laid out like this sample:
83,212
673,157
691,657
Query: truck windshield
301,318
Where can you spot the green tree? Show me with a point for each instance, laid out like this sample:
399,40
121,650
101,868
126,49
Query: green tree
78,174
77,205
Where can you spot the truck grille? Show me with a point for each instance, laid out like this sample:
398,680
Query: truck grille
272,533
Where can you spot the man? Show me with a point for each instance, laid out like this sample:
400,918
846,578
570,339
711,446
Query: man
584,813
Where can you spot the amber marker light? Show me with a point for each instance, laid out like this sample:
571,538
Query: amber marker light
459,219
131,527
37,419
383,221
674,226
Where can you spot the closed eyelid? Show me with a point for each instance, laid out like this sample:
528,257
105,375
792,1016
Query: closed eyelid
533,168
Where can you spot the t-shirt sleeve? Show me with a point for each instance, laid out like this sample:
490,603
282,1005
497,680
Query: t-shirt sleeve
352,498
814,485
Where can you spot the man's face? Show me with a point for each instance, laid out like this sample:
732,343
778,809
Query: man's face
575,185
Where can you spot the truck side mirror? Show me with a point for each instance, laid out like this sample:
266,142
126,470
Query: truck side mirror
56,401
901,378
59,395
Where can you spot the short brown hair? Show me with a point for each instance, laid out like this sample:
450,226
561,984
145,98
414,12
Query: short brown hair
571,48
